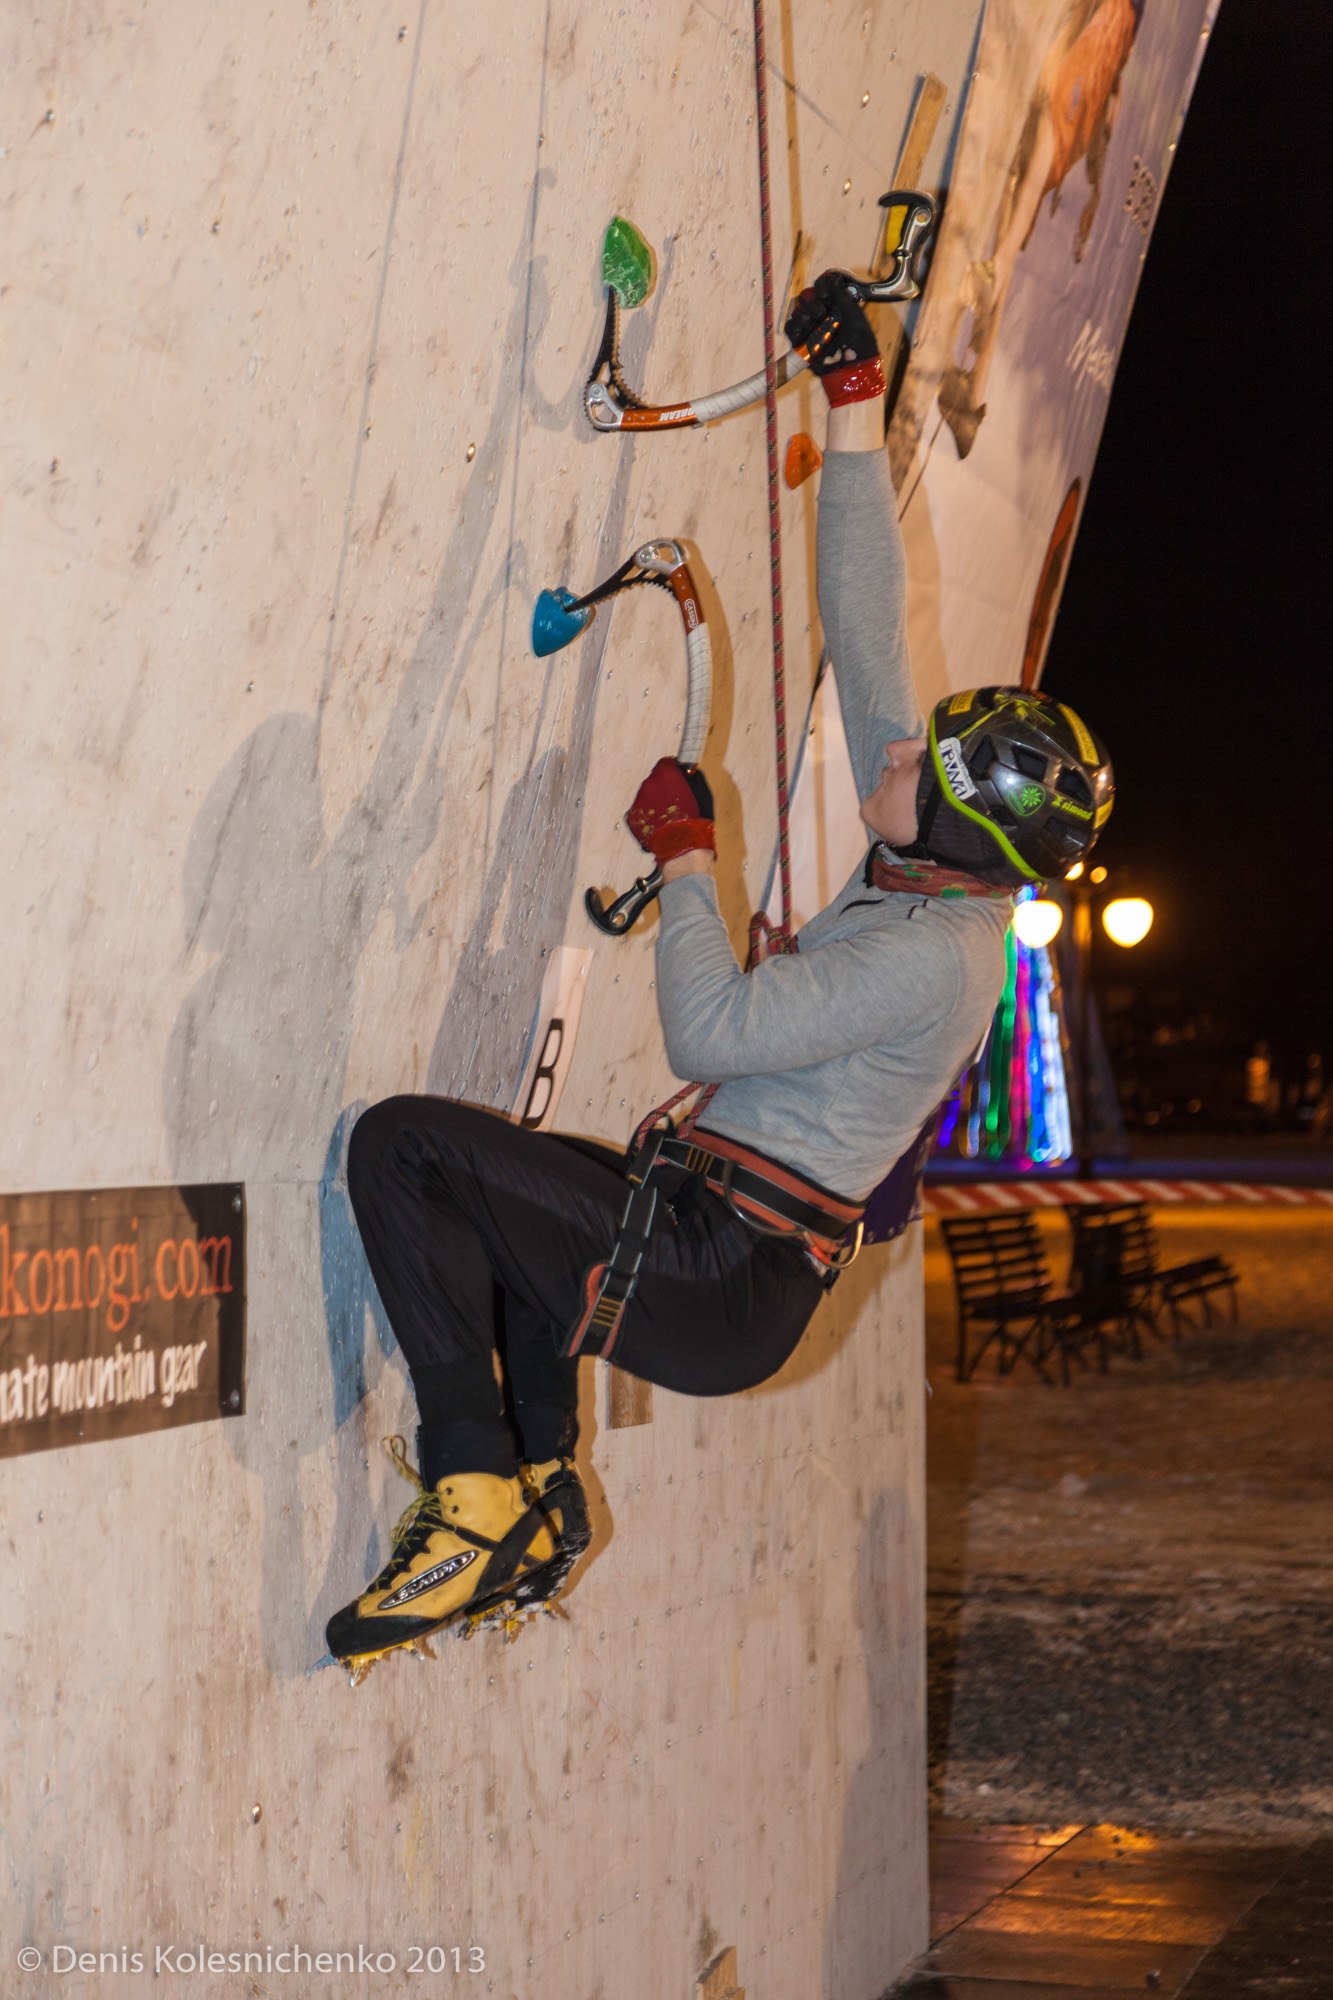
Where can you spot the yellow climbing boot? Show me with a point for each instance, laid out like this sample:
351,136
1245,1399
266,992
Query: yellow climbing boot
461,1549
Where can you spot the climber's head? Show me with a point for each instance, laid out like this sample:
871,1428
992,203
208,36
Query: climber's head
1013,786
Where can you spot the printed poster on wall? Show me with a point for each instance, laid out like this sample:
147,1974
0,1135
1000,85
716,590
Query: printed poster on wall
1067,138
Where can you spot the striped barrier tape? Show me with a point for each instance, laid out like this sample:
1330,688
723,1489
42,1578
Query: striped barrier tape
991,1197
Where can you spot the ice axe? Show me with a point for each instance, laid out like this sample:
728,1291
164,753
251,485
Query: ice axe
558,618
611,404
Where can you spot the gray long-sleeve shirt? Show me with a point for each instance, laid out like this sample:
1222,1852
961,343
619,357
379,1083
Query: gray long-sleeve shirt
831,1059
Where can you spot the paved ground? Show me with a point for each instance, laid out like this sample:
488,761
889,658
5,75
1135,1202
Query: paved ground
1131,1581
1131,1608
1109,1913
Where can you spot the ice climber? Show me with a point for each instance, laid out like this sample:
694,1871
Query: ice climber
485,1238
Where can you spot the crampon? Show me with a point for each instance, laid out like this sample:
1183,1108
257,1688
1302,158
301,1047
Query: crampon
509,1618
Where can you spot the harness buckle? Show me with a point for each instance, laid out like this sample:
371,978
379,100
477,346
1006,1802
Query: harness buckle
638,1169
849,1250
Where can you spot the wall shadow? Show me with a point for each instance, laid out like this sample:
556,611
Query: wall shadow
286,904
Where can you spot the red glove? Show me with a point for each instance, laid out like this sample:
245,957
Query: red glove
672,812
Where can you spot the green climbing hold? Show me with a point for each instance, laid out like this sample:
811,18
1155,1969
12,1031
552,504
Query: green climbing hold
627,263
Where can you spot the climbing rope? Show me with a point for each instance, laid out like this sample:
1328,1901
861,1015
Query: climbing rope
766,939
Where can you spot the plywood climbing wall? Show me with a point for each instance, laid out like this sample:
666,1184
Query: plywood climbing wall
297,304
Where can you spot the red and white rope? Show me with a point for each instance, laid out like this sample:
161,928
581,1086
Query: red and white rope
764,940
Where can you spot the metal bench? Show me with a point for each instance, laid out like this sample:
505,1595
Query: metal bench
1115,1243
1109,1253
1007,1299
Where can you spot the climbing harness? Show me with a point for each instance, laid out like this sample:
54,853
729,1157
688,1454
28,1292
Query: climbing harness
559,617
770,1198
611,404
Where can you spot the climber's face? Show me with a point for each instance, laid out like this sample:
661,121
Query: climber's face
890,811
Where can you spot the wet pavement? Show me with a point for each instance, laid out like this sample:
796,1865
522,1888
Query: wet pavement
1106,1912
1130,1610
1130,1582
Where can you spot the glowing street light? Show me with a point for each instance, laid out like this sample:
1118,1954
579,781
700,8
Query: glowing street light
1038,922
1127,920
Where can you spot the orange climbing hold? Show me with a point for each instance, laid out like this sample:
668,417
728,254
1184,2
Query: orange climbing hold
803,458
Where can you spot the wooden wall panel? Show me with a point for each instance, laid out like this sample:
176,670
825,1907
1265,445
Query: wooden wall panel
297,307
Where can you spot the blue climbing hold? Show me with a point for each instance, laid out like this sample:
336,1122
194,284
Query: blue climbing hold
554,624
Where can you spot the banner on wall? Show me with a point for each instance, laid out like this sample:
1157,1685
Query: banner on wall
121,1310
1071,122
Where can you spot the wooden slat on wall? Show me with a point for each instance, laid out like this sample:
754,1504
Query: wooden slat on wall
719,1978
628,1400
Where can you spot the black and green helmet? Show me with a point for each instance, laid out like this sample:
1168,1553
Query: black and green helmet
1015,787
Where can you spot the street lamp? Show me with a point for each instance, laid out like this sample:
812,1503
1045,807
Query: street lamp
1038,922
1126,921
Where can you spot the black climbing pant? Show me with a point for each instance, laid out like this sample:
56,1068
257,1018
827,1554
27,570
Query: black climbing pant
479,1235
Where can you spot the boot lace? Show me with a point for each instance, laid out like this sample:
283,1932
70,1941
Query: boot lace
420,1519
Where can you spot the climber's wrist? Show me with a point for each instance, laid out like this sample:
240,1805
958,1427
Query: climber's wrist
856,427
697,862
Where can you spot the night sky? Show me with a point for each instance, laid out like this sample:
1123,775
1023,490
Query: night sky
1194,628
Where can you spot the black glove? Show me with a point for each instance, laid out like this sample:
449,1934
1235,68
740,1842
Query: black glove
827,322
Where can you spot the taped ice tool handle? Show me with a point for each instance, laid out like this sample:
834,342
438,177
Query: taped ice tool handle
665,563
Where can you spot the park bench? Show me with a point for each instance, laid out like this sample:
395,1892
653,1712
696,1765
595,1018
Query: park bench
1115,1244
1007,1299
